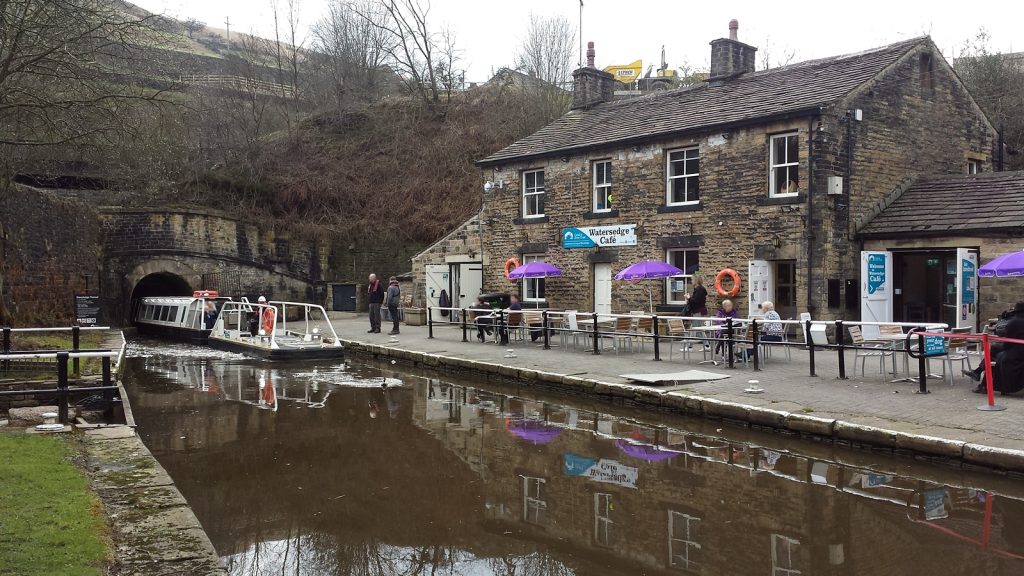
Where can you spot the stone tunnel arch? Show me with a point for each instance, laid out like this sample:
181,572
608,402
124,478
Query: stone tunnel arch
159,277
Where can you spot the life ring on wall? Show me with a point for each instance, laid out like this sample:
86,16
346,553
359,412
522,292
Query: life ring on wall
722,274
510,265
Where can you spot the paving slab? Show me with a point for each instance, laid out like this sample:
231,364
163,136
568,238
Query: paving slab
871,408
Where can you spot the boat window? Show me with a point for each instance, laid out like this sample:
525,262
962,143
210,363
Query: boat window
165,311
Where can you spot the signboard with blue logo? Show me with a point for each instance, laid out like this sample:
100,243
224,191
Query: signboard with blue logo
876,286
603,470
876,273
934,345
599,236
967,288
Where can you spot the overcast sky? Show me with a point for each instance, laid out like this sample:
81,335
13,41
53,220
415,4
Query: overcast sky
487,32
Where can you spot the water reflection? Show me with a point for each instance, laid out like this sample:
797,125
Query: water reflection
319,470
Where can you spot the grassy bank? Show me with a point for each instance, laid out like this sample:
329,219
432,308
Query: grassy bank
51,523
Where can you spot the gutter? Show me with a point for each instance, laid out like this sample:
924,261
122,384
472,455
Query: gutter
799,113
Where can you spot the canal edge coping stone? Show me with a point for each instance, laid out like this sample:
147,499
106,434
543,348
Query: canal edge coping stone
693,404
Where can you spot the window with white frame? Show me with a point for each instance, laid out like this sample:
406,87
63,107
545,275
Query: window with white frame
602,519
687,260
973,166
533,288
683,548
785,555
534,504
533,194
784,166
683,173
602,186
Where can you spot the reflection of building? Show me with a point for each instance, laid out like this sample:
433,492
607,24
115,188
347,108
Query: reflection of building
630,495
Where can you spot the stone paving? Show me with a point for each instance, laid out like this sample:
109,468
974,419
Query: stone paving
948,412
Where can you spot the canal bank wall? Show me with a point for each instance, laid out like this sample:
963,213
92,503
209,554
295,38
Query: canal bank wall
458,358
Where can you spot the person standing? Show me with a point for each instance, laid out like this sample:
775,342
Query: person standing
375,293
394,296
698,301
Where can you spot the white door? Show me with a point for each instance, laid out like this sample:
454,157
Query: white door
760,284
437,280
875,289
603,288
470,281
967,288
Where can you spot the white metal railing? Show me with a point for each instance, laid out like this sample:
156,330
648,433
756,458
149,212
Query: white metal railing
242,312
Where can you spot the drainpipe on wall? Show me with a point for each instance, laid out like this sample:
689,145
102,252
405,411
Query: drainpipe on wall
1001,145
809,235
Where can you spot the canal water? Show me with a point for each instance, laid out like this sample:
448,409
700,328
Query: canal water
319,469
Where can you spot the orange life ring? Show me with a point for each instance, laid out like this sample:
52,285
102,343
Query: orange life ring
510,265
735,282
269,320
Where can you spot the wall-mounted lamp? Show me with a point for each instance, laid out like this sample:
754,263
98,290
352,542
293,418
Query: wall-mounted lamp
788,209
491,185
776,242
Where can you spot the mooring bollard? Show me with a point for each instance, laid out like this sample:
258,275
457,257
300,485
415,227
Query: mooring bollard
840,340
62,387
75,343
544,325
596,349
810,345
657,340
730,343
464,339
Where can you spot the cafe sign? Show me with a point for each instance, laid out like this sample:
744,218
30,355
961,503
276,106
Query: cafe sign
599,236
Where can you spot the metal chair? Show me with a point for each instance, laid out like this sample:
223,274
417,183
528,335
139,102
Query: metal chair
623,334
676,329
956,351
862,352
643,329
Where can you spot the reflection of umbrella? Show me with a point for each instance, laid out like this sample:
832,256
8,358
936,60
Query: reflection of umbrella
532,430
648,452
646,270
1011,264
534,270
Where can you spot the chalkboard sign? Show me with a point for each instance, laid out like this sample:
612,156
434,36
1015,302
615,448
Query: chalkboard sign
87,310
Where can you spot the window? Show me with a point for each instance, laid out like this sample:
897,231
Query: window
603,186
602,519
533,194
785,285
534,505
926,73
974,166
784,175
683,176
165,312
784,555
688,261
683,549
533,288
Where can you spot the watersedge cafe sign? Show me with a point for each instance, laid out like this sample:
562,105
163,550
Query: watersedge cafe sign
599,236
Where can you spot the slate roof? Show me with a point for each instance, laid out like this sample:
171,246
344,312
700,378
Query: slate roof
954,204
767,93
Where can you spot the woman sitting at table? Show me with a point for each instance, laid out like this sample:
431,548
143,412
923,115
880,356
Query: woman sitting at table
726,311
771,328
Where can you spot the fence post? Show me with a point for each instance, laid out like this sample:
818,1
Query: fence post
464,339
596,349
810,345
7,347
544,325
922,365
430,322
990,405
76,340
729,343
657,340
502,335
754,343
108,395
62,387
840,340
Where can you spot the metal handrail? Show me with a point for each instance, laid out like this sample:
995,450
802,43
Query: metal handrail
59,329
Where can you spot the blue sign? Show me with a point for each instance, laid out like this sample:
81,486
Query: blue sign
934,345
935,504
876,273
574,465
576,238
967,271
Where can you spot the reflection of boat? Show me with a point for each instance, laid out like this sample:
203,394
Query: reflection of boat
177,317
263,331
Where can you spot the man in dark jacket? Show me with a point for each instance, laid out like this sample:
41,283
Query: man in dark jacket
1008,373
375,293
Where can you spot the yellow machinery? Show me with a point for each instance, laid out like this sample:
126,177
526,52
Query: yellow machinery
663,79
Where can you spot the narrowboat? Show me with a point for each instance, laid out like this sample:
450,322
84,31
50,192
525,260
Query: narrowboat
178,317
275,331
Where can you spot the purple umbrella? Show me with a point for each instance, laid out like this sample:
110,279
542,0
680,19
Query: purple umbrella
1011,264
532,430
646,270
534,270
648,452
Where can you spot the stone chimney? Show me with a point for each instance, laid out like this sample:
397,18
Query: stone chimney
591,86
730,57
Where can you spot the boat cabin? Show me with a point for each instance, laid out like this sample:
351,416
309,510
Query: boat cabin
178,317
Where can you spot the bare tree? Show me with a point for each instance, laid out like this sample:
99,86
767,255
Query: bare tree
546,56
349,50
193,25
997,83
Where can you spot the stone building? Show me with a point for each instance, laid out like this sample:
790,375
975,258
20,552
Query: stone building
765,172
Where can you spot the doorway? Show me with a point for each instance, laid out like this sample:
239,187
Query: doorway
467,281
343,297
603,288
935,286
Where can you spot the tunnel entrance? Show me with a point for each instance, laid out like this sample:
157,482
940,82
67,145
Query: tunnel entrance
159,284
